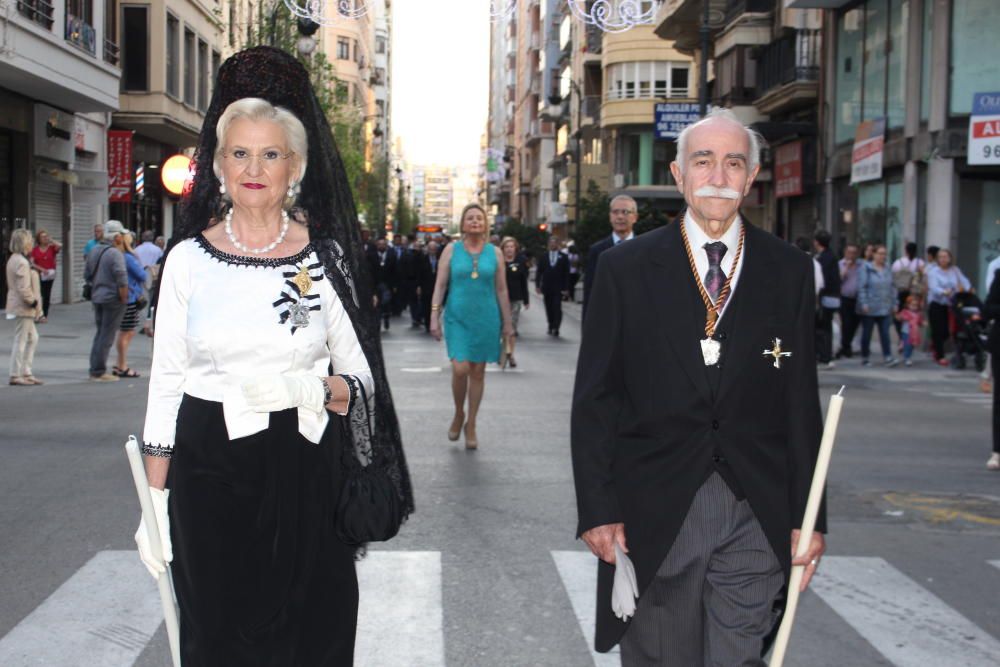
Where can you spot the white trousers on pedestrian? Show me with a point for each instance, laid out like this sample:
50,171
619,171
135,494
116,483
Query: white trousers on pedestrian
25,342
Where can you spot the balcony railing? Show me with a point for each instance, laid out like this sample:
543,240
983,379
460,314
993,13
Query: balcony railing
595,40
111,52
81,34
592,108
789,59
39,11
736,8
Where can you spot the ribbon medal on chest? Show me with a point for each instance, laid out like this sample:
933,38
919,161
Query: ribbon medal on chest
297,301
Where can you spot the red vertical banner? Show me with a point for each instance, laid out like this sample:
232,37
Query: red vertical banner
788,170
119,165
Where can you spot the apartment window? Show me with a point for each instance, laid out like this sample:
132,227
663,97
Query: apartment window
204,73
975,52
380,44
871,63
648,80
80,25
111,51
232,22
216,64
39,11
135,48
357,52
343,48
190,71
173,55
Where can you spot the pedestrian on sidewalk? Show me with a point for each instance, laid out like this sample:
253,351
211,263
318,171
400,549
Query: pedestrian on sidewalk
136,303
149,255
829,297
911,320
908,276
98,236
876,305
849,318
944,281
24,305
254,308
43,258
476,318
551,283
105,270
517,289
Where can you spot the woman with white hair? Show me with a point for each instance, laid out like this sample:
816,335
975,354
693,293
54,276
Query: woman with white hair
24,298
267,389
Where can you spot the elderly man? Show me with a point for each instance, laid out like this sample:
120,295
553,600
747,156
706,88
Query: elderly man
98,235
696,419
624,213
105,270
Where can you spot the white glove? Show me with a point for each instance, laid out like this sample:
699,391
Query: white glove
625,590
273,393
155,565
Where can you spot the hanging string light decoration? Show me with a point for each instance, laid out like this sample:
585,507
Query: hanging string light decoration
502,9
316,10
614,15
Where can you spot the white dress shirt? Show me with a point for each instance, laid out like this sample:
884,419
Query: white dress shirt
618,239
217,325
698,238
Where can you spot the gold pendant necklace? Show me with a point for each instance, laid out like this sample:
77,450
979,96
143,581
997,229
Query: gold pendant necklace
475,266
303,281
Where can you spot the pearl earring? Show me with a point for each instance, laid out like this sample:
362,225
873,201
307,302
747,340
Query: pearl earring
222,187
291,192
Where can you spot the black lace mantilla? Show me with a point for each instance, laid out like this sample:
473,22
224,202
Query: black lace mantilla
159,451
243,260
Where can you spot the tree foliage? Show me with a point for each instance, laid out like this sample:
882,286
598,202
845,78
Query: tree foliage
593,223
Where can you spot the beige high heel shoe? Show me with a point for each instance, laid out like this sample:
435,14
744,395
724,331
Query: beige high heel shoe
470,444
453,434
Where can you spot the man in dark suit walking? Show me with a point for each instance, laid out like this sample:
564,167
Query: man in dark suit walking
383,266
426,277
551,281
696,419
624,213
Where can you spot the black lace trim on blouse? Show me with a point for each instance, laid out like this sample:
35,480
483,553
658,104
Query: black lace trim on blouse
242,260
160,451
352,384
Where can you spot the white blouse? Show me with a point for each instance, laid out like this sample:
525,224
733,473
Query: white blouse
223,318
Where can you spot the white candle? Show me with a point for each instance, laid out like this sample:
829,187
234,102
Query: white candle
808,524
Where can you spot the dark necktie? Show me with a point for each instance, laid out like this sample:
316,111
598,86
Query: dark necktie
715,278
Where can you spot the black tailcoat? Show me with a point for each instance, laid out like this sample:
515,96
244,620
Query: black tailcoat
648,416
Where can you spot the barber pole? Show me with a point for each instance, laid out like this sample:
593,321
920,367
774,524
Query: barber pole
140,181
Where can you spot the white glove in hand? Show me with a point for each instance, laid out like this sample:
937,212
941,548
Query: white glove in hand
273,393
156,566
625,590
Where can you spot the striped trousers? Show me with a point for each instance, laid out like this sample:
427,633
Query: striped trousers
711,601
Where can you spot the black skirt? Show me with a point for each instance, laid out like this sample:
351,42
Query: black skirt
260,576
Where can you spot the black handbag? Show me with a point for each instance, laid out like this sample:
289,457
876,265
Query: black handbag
369,508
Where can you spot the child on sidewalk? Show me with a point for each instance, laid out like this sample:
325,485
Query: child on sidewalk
912,318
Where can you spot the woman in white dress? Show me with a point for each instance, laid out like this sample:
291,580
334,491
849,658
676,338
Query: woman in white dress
261,334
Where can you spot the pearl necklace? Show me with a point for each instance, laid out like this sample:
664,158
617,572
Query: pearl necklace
257,251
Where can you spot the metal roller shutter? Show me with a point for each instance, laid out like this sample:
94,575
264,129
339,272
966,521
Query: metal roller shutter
47,212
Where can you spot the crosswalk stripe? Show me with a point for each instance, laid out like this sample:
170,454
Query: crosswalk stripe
977,401
578,571
958,394
424,369
400,618
995,563
906,623
103,615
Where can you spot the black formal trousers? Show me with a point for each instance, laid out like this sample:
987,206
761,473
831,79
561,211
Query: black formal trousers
553,309
937,317
849,322
824,334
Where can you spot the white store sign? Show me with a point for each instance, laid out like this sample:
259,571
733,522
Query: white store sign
984,129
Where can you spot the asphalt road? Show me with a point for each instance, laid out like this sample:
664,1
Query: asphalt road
487,572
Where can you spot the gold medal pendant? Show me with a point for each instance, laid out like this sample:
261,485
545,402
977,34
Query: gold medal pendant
303,281
475,275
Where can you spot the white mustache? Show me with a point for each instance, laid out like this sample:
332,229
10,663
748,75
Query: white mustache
722,193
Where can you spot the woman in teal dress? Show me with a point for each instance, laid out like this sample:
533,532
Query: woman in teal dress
476,309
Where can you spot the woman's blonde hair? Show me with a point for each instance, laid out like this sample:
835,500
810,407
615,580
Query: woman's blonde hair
469,207
510,239
127,241
20,241
257,109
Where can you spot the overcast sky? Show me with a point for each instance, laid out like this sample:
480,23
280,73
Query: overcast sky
440,79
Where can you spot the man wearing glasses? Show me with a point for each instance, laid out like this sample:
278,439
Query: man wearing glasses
624,213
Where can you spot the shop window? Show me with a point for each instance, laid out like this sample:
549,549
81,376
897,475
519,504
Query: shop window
895,103
173,56
135,48
876,30
849,65
880,207
975,52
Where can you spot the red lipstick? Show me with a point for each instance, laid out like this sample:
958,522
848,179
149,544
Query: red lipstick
254,186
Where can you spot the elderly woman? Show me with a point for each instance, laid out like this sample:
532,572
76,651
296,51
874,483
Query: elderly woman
24,299
267,386
944,281
477,302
